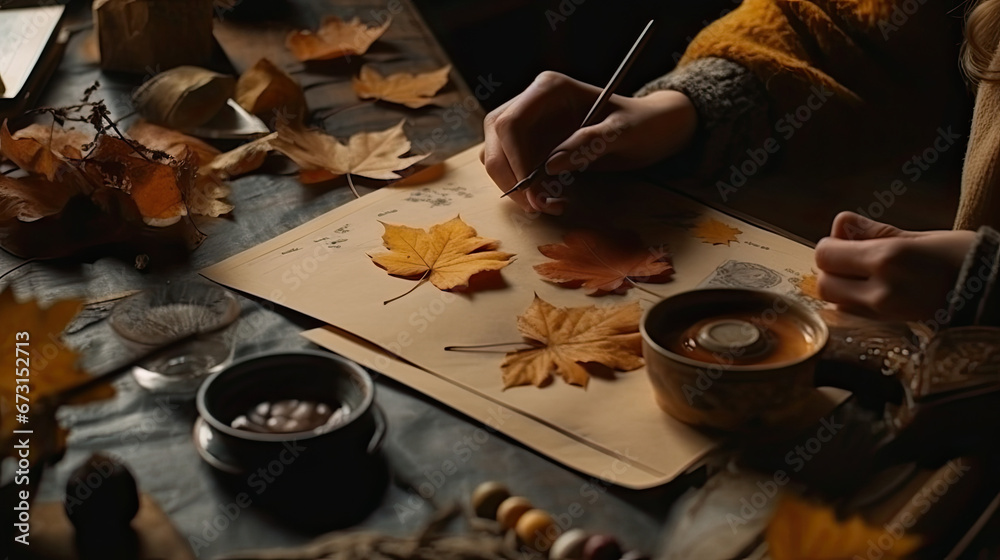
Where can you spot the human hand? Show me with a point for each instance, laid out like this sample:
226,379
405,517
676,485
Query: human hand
544,119
875,268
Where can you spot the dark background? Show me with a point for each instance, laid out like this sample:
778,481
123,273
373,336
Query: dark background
514,40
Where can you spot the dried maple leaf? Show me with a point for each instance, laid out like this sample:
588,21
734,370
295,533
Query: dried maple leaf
566,338
203,195
412,90
320,157
715,232
267,90
156,188
425,175
50,372
335,38
42,150
447,255
604,262
242,159
799,529
32,198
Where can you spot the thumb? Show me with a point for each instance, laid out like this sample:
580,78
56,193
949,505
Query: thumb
851,226
581,149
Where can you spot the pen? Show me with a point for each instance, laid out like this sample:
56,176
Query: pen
599,104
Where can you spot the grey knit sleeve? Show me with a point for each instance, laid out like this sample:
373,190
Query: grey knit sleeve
976,297
732,105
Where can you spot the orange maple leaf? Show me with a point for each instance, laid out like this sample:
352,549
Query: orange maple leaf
604,262
412,90
565,338
447,255
31,346
799,529
715,232
335,38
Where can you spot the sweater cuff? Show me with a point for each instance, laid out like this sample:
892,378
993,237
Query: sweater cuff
976,299
732,107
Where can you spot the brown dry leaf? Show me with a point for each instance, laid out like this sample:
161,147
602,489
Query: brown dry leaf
604,262
448,255
203,195
156,188
565,338
412,90
266,90
425,175
321,157
242,159
41,149
799,529
32,198
184,97
50,372
715,232
335,38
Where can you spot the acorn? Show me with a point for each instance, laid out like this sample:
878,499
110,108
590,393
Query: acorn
602,547
537,529
569,545
486,498
511,510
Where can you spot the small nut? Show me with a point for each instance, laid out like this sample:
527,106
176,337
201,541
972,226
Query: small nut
537,529
511,510
486,498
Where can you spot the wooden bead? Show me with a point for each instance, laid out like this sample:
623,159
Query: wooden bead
537,529
569,545
602,547
511,509
487,497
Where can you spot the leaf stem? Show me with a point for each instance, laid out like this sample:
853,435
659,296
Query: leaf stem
638,287
354,189
408,292
477,348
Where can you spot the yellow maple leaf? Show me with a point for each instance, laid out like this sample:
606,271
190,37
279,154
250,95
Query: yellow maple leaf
412,90
335,38
802,530
321,157
715,232
32,347
447,255
565,338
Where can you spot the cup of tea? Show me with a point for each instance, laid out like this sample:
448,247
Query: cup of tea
732,359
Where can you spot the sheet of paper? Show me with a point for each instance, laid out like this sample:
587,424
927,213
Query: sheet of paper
323,269
24,34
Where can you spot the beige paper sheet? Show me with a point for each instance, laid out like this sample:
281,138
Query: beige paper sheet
322,269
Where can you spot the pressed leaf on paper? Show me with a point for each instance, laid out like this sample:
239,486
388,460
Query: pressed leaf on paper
268,91
799,529
808,286
50,374
335,38
604,262
447,255
42,150
412,90
321,157
566,338
715,232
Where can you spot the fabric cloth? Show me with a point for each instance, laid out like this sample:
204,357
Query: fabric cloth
980,204
976,299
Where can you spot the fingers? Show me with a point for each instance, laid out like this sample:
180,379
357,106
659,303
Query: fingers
843,258
848,225
847,292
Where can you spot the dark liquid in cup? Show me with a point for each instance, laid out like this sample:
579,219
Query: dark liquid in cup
291,416
783,338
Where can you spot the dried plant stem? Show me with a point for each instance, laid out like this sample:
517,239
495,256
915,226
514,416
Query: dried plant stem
482,348
350,183
408,292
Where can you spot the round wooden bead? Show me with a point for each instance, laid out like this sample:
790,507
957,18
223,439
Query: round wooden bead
602,547
511,509
569,545
537,529
486,498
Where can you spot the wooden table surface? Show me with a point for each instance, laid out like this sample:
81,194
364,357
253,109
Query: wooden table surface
152,433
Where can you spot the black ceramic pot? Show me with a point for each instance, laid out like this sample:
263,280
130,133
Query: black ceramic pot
329,477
